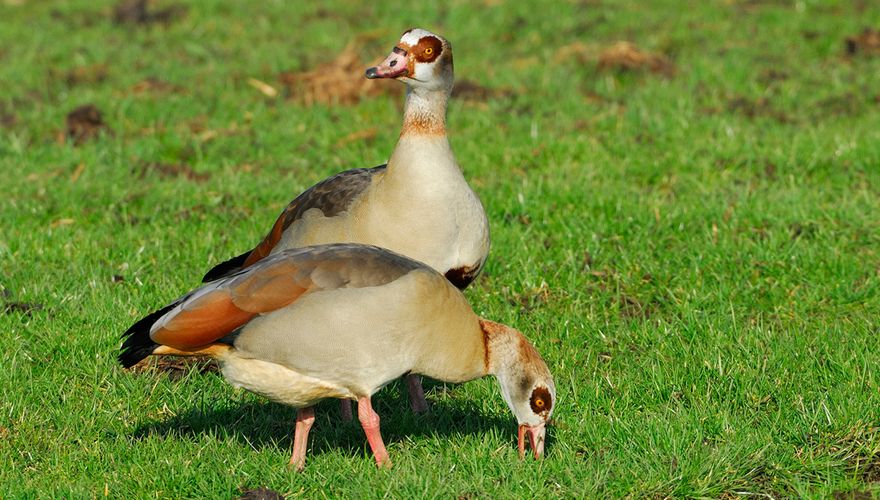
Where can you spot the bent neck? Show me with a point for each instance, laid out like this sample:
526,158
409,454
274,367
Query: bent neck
502,346
425,112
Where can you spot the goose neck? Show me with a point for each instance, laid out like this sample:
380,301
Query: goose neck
425,112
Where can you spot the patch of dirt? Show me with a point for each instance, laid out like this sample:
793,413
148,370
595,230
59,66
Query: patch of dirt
176,367
626,56
866,43
339,82
138,12
261,493
26,308
171,171
469,90
85,123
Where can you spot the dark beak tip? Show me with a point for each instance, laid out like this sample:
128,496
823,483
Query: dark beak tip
372,73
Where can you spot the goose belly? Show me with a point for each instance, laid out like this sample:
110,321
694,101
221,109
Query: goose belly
278,383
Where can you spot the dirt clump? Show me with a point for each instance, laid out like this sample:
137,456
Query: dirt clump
626,56
261,493
85,123
866,43
339,82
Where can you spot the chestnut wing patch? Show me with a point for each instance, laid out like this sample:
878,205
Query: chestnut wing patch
200,321
220,307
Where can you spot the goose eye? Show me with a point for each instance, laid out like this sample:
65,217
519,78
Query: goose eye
541,400
429,51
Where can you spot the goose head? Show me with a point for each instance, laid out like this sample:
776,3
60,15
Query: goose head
532,409
525,380
421,59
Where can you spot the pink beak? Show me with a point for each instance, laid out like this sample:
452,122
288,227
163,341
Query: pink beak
393,66
536,440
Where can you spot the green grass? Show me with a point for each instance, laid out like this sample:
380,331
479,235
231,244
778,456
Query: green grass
697,257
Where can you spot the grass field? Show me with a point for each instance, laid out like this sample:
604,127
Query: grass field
692,244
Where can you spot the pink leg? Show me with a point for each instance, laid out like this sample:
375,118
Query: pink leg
345,409
416,394
370,422
305,417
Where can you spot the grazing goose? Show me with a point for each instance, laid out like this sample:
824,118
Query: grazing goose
342,321
419,204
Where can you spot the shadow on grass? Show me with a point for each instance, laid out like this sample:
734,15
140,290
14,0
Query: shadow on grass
270,425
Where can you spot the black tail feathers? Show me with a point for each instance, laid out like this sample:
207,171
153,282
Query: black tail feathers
138,344
226,268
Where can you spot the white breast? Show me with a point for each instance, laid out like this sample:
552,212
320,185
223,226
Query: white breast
424,207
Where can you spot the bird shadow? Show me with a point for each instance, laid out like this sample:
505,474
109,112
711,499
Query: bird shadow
268,425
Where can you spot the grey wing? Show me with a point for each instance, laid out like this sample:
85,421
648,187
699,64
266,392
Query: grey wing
332,196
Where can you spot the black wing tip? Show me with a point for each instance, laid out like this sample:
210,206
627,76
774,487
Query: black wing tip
138,344
226,268
132,356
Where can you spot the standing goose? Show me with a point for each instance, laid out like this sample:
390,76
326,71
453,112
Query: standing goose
418,205
342,321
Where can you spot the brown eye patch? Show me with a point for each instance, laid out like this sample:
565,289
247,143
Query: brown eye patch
428,49
541,401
